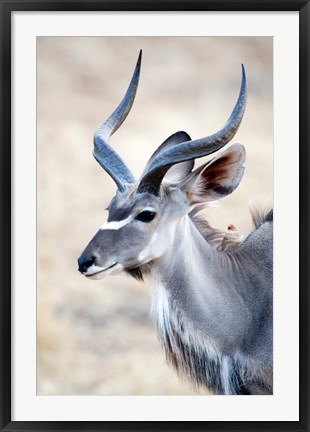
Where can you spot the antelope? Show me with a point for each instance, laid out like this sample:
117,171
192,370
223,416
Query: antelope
211,299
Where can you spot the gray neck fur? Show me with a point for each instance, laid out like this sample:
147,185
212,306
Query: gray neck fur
213,316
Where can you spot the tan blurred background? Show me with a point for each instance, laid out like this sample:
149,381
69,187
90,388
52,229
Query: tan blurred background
96,337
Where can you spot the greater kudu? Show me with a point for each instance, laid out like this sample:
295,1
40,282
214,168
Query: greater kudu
212,304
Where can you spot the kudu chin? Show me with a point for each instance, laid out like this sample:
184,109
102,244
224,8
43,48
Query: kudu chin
211,292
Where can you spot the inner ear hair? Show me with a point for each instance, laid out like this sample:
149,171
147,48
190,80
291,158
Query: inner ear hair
218,177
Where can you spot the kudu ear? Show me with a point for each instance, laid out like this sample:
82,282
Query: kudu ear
218,178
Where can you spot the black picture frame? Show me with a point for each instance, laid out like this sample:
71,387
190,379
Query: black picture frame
9,6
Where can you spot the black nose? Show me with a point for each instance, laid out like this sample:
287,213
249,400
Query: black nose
85,263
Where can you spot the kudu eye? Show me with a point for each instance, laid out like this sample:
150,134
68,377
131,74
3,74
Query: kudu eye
145,216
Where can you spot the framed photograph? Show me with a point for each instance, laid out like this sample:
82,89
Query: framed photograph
126,347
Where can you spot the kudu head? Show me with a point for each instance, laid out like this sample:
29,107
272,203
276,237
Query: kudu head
143,214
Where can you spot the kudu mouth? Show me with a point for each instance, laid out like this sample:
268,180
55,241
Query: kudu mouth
90,270
100,272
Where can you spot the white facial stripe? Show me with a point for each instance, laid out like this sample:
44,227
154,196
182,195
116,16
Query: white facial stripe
150,209
115,225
